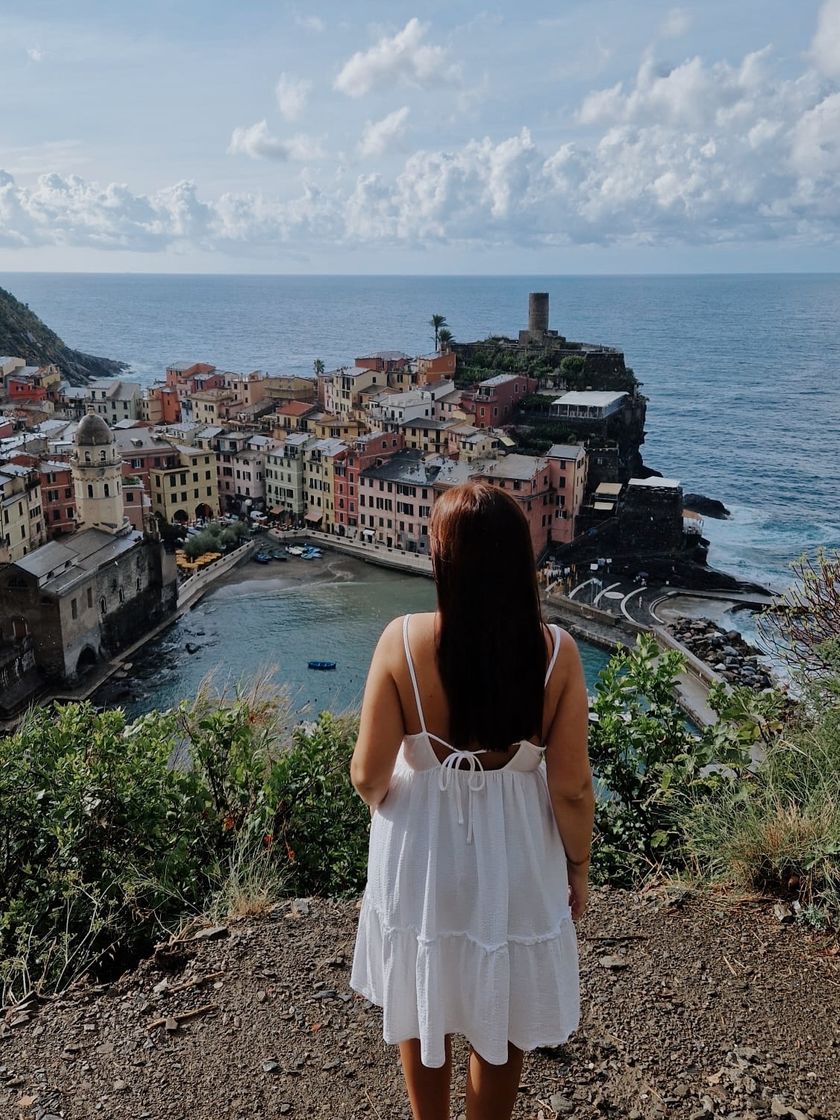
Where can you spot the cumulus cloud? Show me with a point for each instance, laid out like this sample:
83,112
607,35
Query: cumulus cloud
379,137
292,95
825,48
257,142
695,153
36,54
677,21
405,56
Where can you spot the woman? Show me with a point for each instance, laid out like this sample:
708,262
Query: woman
472,757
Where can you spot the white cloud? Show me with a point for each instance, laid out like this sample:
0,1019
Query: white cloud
825,48
405,56
257,142
379,137
292,95
36,54
697,153
675,24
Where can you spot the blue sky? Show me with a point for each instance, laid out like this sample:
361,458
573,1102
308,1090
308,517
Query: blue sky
598,136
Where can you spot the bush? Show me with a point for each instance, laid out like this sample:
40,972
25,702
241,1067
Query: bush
105,844
648,763
778,830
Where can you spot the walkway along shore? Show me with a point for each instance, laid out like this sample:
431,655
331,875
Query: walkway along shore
599,627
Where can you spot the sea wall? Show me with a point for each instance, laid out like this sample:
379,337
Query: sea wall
191,590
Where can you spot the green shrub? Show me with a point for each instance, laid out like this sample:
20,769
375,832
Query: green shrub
778,830
105,843
648,762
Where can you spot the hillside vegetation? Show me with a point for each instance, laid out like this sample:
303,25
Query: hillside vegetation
24,335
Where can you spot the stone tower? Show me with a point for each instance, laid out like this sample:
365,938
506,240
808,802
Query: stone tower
97,477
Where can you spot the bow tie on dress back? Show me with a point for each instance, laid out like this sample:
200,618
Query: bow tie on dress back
475,781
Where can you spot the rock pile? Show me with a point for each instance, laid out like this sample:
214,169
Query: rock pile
725,651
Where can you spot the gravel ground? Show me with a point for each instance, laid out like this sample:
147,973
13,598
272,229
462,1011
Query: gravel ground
694,1006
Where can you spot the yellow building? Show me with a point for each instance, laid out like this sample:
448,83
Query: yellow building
326,425
289,388
213,406
14,517
319,482
188,491
429,436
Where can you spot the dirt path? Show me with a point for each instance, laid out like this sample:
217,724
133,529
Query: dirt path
694,1007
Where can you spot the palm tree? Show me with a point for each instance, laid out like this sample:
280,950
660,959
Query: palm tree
445,336
318,366
437,321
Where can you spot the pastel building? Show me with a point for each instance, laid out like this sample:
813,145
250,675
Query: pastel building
188,490
362,452
58,497
396,498
495,400
319,459
527,479
568,468
114,400
284,471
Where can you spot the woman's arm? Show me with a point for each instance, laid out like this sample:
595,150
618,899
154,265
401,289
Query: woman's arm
381,727
568,772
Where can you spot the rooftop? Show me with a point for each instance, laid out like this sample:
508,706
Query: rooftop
521,467
566,451
656,483
499,379
296,408
590,398
58,565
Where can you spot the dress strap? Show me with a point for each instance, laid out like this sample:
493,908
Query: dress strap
556,634
413,674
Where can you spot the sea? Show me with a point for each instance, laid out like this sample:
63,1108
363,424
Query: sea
742,372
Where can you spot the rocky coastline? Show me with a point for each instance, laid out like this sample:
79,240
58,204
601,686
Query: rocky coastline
727,652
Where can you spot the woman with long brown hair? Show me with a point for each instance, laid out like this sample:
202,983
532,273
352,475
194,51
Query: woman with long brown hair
472,757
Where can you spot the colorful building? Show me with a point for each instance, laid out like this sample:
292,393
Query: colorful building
494,400
189,490
527,479
567,473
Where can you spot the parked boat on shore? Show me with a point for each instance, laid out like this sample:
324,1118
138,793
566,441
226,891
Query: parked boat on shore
323,665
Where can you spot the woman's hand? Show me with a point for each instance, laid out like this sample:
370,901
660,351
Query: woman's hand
578,890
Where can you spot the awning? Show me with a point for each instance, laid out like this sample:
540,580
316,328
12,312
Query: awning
314,515
276,511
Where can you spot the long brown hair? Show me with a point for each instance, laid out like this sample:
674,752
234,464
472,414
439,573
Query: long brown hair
491,646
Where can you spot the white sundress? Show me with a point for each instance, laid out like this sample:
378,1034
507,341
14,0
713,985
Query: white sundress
465,925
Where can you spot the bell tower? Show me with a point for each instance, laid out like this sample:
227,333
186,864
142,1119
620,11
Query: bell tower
97,477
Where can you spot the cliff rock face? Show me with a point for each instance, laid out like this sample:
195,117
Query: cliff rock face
24,335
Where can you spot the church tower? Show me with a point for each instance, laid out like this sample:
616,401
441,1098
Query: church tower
97,477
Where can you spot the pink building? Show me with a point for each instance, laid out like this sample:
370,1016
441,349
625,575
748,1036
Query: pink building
396,498
527,479
567,469
362,453
495,399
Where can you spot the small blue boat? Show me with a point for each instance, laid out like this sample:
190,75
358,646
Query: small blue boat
321,664
262,558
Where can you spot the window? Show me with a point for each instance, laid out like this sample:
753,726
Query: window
90,596
103,606
102,456
122,595
107,490
74,608
90,490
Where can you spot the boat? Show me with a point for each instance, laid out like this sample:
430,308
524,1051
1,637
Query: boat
320,664
294,550
312,553
262,558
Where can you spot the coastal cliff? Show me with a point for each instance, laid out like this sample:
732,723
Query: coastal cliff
24,335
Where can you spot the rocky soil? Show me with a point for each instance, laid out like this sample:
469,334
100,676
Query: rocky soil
24,335
694,1007
730,655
